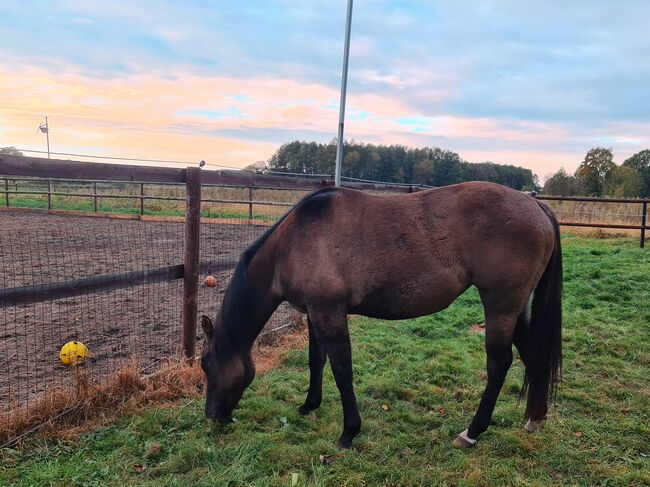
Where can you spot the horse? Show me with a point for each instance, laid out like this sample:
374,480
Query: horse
341,251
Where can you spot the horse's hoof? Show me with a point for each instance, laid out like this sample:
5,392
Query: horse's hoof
463,441
306,409
533,426
342,444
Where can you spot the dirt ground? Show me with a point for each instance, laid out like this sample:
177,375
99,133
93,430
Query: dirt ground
140,322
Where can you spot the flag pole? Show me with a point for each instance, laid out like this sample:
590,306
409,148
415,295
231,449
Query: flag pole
47,134
344,84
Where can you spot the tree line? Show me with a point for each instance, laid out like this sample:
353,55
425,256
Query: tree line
599,175
394,164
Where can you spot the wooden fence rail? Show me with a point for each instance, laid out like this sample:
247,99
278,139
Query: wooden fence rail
50,170
616,226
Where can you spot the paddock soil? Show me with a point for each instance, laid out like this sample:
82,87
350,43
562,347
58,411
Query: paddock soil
140,322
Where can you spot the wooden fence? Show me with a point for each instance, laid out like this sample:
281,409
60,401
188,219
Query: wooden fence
29,168
643,226
51,169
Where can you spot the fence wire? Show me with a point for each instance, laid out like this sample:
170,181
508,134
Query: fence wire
136,322
139,321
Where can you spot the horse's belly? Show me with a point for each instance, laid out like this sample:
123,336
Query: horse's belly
405,301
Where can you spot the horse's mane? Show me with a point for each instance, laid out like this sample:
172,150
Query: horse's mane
238,301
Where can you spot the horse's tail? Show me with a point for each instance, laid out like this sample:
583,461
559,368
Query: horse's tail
544,338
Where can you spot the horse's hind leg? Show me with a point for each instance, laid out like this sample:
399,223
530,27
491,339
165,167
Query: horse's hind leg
332,328
317,359
499,328
520,339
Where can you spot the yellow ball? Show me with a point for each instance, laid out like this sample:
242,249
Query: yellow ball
73,353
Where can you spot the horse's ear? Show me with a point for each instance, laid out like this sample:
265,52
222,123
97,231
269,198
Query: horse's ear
206,324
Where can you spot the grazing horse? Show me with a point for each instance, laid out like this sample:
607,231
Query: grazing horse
341,251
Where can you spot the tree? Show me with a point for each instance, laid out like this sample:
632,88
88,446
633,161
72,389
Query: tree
593,171
447,167
258,167
394,163
561,184
624,181
641,163
423,171
11,151
351,160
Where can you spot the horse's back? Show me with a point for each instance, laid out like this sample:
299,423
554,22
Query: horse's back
400,253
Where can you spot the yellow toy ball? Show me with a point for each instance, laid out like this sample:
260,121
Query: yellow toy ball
73,353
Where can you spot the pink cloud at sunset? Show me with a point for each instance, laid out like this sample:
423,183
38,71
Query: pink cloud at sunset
190,117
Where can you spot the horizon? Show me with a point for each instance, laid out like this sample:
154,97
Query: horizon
534,87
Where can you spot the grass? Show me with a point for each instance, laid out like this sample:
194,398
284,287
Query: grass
568,211
69,203
106,204
418,383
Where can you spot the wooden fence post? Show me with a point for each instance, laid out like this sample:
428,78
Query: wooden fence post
644,214
250,202
191,259
49,194
6,192
142,198
95,197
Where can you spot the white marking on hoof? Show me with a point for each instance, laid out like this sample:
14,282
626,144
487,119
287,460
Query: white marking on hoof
463,441
533,426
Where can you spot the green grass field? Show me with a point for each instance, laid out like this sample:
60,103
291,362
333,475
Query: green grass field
121,207
418,383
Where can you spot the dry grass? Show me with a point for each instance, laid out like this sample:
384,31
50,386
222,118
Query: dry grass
598,212
62,413
105,203
574,211
59,413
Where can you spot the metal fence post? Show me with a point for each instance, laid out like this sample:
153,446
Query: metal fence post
49,194
644,213
142,198
6,192
95,197
191,259
250,202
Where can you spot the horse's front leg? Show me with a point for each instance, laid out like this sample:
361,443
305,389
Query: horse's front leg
332,328
317,359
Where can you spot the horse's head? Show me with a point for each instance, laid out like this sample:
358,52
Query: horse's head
228,372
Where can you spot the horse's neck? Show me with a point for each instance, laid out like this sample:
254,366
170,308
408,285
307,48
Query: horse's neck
259,308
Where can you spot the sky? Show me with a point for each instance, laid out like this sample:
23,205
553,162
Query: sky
535,84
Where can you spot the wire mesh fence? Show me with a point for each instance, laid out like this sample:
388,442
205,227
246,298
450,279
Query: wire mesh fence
116,284
118,325
138,321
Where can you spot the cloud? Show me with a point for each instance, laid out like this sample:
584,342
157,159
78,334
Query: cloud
487,79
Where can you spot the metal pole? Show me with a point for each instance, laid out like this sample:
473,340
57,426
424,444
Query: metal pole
344,84
250,202
141,198
644,213
47,134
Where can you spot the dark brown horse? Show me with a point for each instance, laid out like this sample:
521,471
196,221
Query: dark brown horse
340,252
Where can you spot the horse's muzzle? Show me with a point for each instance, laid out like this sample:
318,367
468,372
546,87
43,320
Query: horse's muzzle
216,416
226,419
